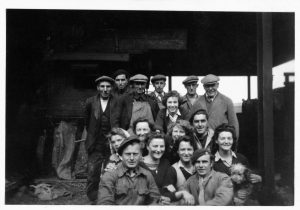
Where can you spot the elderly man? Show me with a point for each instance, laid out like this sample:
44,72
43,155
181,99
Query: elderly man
208,187
98,111
129,184
121,86
135,105
202,133
191,85
159,83
219,107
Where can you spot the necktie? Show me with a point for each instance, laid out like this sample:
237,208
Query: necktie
201,193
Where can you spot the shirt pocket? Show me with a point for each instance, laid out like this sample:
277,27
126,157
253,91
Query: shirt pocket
121,190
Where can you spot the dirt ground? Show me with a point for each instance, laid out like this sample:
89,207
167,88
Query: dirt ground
72,192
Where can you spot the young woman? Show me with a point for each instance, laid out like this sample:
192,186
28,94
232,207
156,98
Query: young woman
183,169
224,140
159,167
154,161
175,131
116,137
172,113
142,128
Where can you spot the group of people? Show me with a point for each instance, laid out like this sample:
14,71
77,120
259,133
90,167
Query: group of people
162,148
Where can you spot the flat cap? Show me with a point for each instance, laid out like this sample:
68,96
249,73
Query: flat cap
139,78
158,77
105,78
210,79
121,71
198,153
190,79
126,142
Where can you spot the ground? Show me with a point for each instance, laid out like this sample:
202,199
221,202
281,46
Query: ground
25,194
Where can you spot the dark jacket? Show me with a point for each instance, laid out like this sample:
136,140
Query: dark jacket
92,118
162,121
123,112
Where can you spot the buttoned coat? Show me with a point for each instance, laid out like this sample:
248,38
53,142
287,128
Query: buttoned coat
221,111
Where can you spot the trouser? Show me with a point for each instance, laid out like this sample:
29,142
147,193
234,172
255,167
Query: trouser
95,161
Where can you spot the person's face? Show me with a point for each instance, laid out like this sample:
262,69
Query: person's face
116,141
200,123
172,104
104,88
141,130
203,165
185,151
139,87
131,155
177,132
156,148
159,86
191,88
121,81
211,89
225,140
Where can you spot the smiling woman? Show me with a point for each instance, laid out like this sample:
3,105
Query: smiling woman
154,161
172,113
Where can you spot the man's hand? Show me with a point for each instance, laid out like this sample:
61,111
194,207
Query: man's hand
254,178
110,166
188,198
164,200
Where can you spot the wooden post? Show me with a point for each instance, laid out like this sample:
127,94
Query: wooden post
249,87
265,100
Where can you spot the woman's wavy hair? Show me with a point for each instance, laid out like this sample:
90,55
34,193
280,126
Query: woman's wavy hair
185,139
151,126
172,93
155,135
117,131
184,124
221,128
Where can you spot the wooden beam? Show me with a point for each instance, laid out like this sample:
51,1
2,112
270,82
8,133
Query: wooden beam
265,99
81,56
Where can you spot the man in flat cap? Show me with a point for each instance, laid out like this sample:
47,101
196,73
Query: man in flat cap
219,107
121,86
191,85
98,111
135,105
129,183
159,82
209,188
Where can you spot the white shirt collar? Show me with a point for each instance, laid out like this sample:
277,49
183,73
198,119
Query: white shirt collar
177,113
157,94
212,98
218,156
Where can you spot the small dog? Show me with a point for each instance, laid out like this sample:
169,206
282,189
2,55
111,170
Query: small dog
242,186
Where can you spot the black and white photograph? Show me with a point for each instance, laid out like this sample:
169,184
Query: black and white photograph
165,105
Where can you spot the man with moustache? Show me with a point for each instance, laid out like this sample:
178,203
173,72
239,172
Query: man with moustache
98,112
159,82
121,86
209,188
202,133
129,183
219,107
191,85
135,105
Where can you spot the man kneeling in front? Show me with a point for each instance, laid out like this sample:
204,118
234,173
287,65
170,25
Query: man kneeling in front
208,187
129,184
